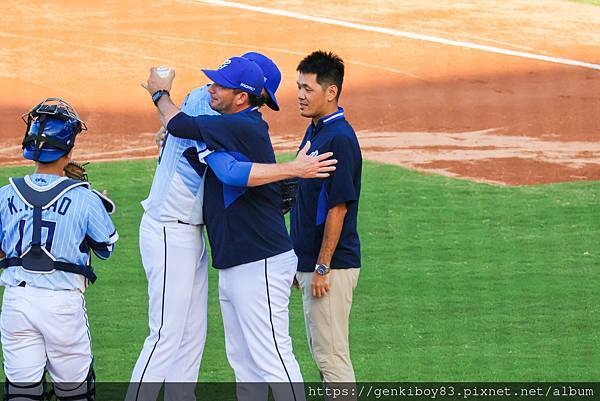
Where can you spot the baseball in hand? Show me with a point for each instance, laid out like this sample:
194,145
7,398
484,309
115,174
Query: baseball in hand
163,71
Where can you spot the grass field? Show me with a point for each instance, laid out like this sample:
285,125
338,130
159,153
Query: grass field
595,2
461,282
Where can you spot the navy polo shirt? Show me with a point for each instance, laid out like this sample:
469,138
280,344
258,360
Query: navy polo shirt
244,224
316,196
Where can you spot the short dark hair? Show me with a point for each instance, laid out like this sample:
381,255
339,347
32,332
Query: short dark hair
328,67
253,100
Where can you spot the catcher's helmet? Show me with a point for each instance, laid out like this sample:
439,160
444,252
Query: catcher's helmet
51,130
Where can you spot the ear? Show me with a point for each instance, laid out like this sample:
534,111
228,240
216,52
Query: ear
332,92
241,98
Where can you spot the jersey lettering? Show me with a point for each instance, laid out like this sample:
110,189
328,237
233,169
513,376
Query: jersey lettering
50,226
64,206
11,205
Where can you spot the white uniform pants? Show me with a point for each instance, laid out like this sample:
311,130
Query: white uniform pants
176,265
254,301
42,329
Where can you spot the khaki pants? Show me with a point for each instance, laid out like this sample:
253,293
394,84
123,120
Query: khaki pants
327,321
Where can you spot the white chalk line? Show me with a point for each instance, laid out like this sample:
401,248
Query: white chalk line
403,34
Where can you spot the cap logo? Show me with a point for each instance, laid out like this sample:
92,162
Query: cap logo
225,64
243,85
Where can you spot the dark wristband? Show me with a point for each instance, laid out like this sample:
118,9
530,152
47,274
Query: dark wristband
158,94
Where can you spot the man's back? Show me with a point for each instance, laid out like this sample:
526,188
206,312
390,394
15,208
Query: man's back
69,225
244,224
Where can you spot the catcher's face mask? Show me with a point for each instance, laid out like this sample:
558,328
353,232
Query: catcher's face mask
51,130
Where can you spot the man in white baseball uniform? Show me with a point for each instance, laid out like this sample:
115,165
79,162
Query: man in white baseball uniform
173,249
48,226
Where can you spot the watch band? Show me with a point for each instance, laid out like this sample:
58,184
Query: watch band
158,94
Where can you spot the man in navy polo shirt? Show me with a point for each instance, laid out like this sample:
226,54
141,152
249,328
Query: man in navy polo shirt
249,242
323,220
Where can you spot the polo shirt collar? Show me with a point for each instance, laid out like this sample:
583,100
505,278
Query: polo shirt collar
337,115
247,110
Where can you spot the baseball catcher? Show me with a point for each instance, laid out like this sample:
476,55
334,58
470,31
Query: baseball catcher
49,225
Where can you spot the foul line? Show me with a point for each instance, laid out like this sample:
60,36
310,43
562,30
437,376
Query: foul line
402,34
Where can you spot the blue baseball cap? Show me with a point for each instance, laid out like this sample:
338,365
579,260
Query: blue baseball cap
272,76
239,73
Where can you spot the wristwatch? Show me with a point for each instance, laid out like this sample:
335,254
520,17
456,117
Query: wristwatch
158,94
322,269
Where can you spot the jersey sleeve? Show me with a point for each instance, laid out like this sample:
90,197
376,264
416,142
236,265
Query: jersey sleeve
340,185
228,169
101,234
184,126
217,132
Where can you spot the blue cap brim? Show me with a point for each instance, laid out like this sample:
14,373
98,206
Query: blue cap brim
218,78
44,156
272,101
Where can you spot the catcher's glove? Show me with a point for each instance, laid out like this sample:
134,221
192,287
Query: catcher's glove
288,190
76,171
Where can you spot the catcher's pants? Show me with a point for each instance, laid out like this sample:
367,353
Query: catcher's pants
327,320
176,265
254,301
44,328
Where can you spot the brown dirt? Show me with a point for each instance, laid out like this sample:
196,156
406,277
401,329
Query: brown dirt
422,105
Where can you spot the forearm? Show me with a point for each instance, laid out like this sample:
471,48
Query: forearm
332,232
166,109
2,254
262,174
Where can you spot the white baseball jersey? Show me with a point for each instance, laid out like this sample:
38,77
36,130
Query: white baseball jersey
75,216
176,264
178,187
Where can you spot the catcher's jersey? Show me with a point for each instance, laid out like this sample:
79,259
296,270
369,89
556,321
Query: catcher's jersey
178,187
77,215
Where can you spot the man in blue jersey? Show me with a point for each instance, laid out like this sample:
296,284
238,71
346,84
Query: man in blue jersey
48,226
323,220
249,242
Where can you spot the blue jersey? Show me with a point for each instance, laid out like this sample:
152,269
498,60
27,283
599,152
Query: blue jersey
77,217
316,196
178,185
244,224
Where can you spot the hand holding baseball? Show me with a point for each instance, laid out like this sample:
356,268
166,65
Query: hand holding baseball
159,78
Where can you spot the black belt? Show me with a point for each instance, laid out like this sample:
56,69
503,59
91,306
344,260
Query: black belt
189,224
22,284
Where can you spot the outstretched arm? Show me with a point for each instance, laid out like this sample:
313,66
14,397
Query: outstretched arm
247,174
303,166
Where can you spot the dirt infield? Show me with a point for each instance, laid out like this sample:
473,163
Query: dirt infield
436,105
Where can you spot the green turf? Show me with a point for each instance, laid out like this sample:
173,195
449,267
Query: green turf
595,2
461,282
